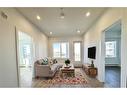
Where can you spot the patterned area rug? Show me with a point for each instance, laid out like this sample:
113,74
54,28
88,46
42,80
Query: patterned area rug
79,79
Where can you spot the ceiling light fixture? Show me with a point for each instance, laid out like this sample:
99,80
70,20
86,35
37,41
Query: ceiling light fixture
88,14
62,15
78,31
50,33
38,17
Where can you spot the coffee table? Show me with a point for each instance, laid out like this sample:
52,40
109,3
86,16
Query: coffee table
68,70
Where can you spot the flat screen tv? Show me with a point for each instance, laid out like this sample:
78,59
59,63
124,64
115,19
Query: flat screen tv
92,52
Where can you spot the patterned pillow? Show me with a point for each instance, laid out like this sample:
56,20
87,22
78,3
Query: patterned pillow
45,61
40,61
50,62
54,61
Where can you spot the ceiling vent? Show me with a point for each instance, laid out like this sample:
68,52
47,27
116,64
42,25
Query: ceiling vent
3,15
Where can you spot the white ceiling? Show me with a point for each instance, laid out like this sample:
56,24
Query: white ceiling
75,18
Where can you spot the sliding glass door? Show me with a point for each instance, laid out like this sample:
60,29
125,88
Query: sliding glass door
25,59
25,50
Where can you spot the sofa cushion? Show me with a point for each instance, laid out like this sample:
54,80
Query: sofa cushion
60,65
50,62
54,67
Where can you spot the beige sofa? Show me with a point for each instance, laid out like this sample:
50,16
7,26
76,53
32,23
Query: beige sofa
46,70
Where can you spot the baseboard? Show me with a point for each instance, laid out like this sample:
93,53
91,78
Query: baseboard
113,65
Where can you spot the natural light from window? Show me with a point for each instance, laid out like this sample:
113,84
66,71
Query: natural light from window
61,50
77,51
110,48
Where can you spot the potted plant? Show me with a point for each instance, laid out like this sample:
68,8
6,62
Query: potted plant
92,64
67,62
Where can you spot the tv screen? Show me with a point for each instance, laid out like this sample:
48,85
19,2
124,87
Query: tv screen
92,52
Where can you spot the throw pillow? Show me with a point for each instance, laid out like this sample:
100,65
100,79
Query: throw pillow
40,61
45,62
50,62
54,61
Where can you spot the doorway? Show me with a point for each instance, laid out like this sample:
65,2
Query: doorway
77,54
77,51
113,56
25,59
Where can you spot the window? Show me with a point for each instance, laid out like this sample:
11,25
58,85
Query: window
110,49
77,51
61,50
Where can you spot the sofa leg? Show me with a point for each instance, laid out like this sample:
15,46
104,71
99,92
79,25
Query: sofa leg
51,78
37,77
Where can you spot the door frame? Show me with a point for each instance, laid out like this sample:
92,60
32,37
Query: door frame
80,51
17,54
102,60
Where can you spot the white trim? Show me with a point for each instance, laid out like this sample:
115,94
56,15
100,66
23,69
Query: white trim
103,51
17,53
17,57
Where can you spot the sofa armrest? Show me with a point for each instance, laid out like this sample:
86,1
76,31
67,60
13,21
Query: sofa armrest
42,70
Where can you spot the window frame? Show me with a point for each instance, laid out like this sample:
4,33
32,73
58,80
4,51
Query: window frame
67,49
115,46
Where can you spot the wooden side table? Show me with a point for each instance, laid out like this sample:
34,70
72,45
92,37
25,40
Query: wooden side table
92,71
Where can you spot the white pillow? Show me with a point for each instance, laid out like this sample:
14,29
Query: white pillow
40,61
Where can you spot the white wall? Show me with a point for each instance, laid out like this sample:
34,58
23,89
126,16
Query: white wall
8,64
94,35
66,39
8,72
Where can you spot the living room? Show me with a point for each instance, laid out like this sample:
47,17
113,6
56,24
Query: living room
55,34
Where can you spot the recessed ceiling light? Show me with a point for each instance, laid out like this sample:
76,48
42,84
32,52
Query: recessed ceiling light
88,14
38,17
50,33
78,31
